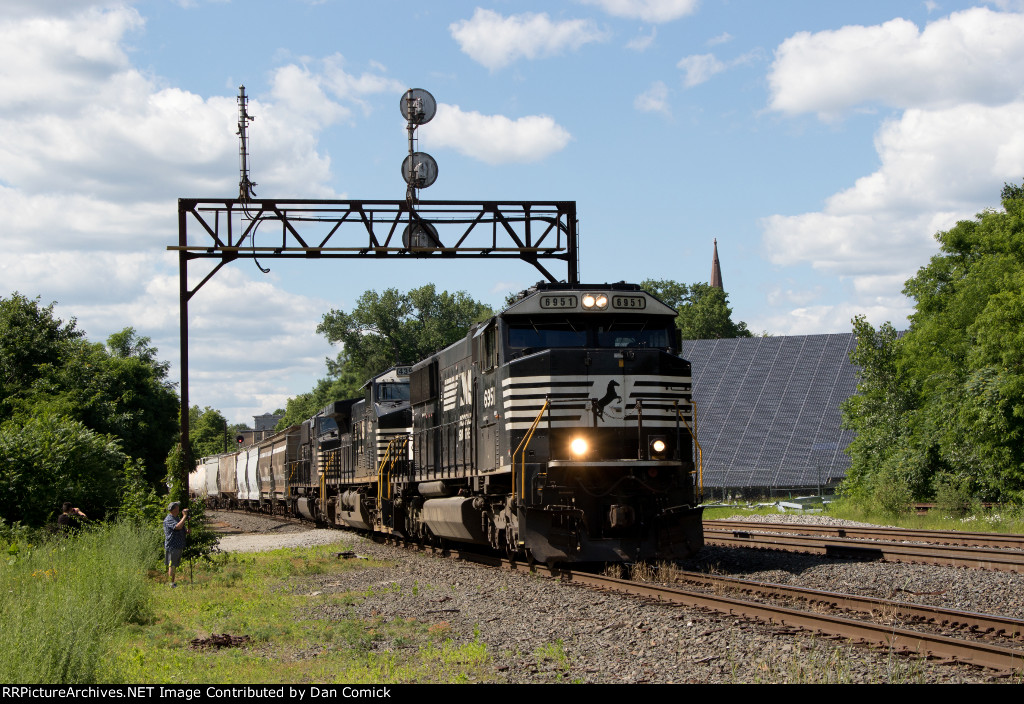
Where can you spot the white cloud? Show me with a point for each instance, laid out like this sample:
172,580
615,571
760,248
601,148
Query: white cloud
938,166
722,38
959,83
646,10
302,94
495,139
643,42
49,61
699,68
495,41
94,156
654,99
778,295
348,86
970,56
814,320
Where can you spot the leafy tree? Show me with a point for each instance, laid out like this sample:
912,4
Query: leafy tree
139,501
704,311
878,414
942,408
306,405
208,429
33,344
384,329
119,389
389,328
118,392
50,459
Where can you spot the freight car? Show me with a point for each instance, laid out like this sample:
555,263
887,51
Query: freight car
560,430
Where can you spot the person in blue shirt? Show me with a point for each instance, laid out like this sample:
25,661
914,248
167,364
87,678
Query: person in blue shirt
175,530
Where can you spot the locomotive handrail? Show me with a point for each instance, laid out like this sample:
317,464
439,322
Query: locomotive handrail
700,452
323,493
523,444
403,441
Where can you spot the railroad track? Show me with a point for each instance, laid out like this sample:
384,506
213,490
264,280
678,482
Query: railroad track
938,537
765,536
973,650
982,640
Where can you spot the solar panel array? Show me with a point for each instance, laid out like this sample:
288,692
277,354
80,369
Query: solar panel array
768,409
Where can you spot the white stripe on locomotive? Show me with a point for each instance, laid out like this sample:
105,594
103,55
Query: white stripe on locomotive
523,397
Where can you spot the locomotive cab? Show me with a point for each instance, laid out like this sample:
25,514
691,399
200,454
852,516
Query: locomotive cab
599,417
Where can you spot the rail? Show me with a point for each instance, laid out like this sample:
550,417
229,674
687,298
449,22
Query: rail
523,444
700,452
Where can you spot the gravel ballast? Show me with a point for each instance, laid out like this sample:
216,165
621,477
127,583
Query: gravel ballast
538,630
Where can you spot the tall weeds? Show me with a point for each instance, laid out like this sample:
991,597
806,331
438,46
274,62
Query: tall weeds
64,600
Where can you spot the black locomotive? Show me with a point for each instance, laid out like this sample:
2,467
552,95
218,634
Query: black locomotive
559,430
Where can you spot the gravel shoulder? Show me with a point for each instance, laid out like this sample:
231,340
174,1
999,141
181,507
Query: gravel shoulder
537,630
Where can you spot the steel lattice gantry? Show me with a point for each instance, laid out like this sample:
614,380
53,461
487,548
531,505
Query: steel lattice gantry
224,229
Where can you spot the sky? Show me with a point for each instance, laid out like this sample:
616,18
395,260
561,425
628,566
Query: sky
823,144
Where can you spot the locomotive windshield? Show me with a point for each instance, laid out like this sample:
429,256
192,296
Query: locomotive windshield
393,392
588,331
637,334
546,335
325,425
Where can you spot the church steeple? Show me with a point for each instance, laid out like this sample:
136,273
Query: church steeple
716,269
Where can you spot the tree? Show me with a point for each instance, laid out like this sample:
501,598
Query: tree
878,414
207,430
389,328
384,330
121,389
91,394
326,391
704,311
33,345
955,416
50,459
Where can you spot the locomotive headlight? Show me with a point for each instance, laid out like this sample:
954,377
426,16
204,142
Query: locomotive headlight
589,300
578,447
601,301
659,448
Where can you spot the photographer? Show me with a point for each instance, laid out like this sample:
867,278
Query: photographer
175,530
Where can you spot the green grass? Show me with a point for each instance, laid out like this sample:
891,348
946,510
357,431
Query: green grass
297,636
65,601
554,653
1002,519
822,662
97,608
712,513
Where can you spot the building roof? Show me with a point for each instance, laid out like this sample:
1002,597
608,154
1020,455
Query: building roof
768,408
